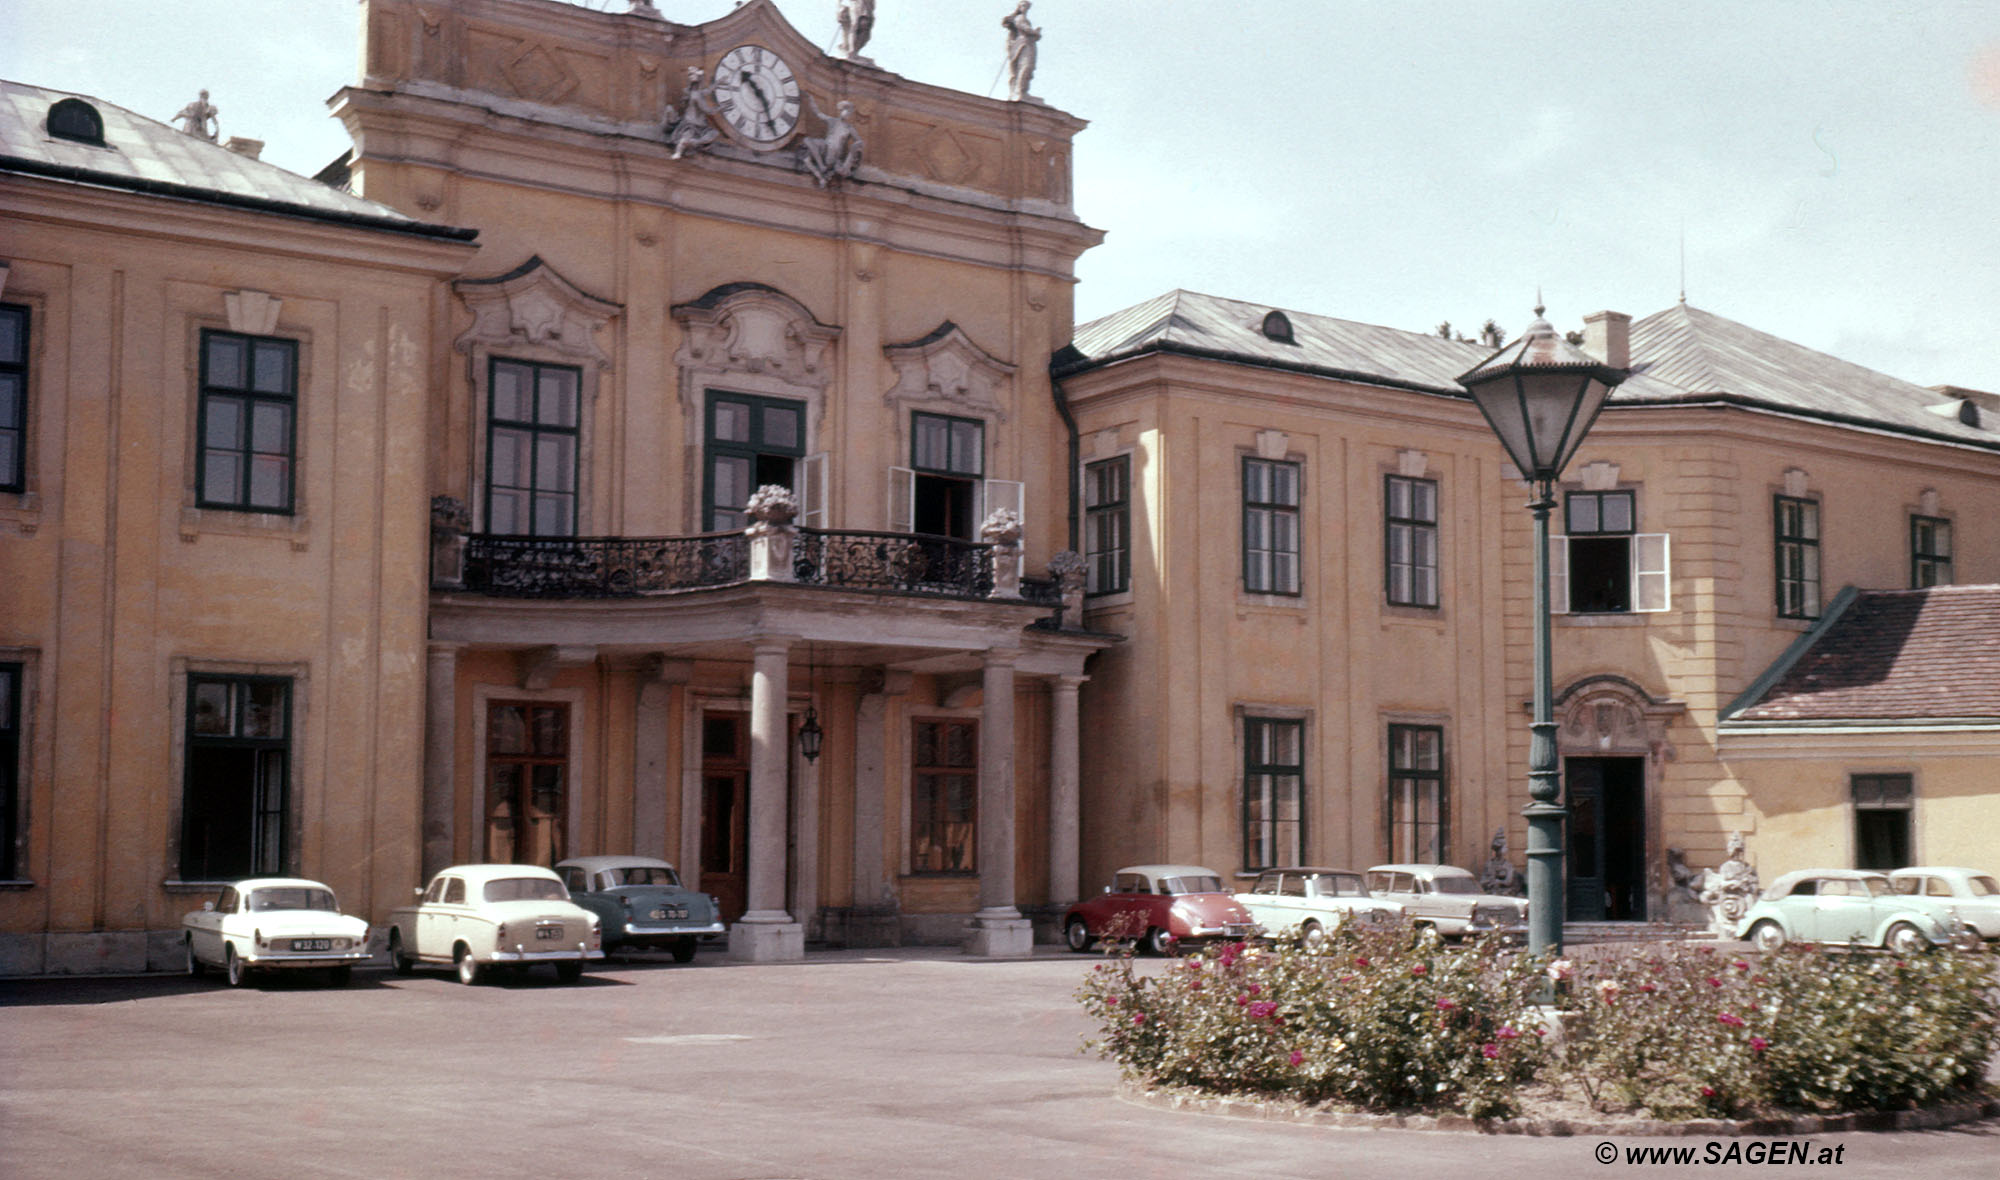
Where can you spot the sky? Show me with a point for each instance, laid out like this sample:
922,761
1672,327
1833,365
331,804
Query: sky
1824,170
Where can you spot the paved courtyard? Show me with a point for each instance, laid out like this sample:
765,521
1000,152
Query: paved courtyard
907,1063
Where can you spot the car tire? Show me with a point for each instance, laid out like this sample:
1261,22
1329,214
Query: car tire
1159,942
1768,936
1905,939
399,962
684,951
1312,938
340,976
469,971
1077,935
233,968
194,968
569,972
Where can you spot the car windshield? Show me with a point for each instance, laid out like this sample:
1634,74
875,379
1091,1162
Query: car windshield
1202,884
1341,885
1455,883
525,889
293,897
646,875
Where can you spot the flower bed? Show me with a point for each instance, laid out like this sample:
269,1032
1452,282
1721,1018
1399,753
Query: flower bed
1387,1020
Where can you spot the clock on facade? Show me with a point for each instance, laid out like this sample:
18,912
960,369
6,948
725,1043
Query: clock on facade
757,95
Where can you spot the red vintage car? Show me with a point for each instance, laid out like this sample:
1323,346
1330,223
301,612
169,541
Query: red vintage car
1160,906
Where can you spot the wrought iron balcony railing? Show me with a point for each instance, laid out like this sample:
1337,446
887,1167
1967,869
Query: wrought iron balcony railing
914,563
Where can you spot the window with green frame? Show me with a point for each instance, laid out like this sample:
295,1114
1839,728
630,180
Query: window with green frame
532,426
1796,523
948,458
1417,811
1882,807
1107,525
13,398
1411,541
1274,778
248,422
1271,526
1930,551
750,442
236,777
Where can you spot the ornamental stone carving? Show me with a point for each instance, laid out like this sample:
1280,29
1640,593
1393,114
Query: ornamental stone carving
1500,877
946,366
535,306
1729,889
772,506
1002,527
751,328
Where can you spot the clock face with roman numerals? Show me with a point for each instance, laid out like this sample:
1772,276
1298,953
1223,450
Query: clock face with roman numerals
757,95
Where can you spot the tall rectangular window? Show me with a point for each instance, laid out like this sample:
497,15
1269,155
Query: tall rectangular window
527,782
236,781
1930,551
752,442
1107,524
1416,794
1274,776
1270,526
948,457
13,398
944,796
1411,541
249,422
1797,526
531,448
10,770
1882,805
1599,527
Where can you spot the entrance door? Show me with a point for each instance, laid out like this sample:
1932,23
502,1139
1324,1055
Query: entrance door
1607,838
527,762
725,809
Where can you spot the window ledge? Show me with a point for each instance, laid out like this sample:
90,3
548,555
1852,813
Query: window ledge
195,886
1607,619
1248,601
1394,613
1106,601
17,883
1789,623
230,523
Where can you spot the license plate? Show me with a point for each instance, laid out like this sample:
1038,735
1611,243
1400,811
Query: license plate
312,944
666,912
548,932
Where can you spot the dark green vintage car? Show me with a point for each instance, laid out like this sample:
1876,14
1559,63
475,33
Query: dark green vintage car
641,902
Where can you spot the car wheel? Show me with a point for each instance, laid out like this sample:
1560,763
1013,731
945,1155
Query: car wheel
1767,936
1077,935
1905,939
1312,938
233,968
684,951
468,967
569,972
340,976
195,970
399,962
1159,942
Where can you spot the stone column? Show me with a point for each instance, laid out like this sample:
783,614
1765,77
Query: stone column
766,933
998,929
1064,808
873,920
440,758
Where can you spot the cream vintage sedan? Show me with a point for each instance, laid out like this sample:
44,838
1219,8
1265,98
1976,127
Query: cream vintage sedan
274,923
478,917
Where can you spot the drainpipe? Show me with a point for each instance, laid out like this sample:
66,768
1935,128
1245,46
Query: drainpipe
1075,448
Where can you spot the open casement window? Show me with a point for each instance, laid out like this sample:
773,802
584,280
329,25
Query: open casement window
811,491
1600,565
944,492
752,442
234,787
1648,574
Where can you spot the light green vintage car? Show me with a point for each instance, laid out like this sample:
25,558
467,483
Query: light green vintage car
1850,907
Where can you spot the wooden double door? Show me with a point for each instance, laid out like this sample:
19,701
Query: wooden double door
1607,838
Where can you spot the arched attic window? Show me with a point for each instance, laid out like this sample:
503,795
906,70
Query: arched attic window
1278,327
75,119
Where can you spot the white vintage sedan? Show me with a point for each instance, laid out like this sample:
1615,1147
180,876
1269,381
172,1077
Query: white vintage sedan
1973,894
477,917
274,923
1304,903
1449,901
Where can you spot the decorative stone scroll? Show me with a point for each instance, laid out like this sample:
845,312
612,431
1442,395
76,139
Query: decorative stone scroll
945,365
534,305
751,328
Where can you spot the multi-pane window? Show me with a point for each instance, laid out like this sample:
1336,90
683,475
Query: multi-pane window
1599,527
944,796
249,422
1412,541
948,456
1274,776
527,780
1797,523
752,442
1416,794
13,398
234,798
531,449
1270,526
10,768
1882,804
1930,551
1107,525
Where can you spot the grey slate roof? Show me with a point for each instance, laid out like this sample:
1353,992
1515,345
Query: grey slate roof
145,155
1682,354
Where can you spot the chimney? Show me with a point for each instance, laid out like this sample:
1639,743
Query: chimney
1607,335
252,148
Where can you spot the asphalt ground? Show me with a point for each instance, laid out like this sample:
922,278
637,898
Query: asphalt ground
868,1064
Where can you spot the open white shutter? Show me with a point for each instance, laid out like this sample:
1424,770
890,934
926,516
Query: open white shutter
812,491
1651,583
902,500
1558,575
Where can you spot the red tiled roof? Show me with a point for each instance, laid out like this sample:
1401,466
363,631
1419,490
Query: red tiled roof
1895,655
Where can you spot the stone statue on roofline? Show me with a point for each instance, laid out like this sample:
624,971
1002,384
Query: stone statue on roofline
1500,877
857,24
692,129
198,119
837,153
1021,50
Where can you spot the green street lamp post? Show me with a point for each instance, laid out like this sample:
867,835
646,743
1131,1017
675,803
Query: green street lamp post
1540,395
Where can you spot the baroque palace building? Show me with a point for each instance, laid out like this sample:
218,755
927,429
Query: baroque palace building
673,439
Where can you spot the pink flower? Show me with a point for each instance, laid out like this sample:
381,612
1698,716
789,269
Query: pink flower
1714,982
1361,962
1111,1001
1138,1018
1262,1010
1507,1033
1730,1019
1759,1044
1740,965
1708,1091
1242,1000
1648,988
1194,985
1490,1051
1444,1005
1254,989
1419,969
1298,1058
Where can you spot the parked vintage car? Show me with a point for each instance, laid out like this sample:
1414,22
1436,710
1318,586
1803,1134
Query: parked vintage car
1304,903
1850,907
274,923
477,917
1159,906
640,901
1448,900
1973,894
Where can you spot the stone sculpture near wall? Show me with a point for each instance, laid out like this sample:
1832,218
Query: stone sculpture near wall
1684,906
857,24
836,154
692,128
1021,51
1729,889
1500,877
